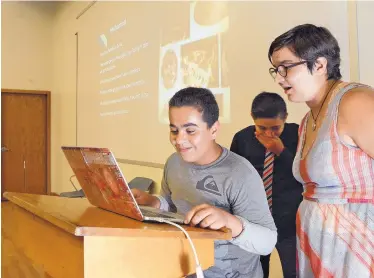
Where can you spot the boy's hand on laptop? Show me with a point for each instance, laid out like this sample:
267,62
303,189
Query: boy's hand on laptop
207,216
145,199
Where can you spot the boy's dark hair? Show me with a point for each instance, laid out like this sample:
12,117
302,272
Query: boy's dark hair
310,42
200,98
269,105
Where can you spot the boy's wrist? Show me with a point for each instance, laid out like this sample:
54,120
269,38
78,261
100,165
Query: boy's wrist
235,225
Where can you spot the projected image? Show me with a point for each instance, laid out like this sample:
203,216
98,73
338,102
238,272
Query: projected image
103,40
169,69
198,60
224,63
200,63
175,27
209,13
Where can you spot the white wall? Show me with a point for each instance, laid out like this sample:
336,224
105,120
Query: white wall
26,45
65,27
64,93
365,36
39,52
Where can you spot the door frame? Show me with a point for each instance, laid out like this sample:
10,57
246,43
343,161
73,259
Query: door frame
48,96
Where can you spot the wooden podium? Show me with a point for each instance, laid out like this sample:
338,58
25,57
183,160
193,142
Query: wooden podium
71,238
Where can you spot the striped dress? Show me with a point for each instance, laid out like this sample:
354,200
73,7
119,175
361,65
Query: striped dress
335,221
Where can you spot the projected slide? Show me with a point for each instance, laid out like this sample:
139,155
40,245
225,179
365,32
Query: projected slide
193,53
123,75
133,56
133,62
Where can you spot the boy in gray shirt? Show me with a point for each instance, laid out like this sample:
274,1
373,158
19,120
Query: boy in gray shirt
214,187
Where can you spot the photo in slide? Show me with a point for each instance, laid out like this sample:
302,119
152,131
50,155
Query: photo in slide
198,58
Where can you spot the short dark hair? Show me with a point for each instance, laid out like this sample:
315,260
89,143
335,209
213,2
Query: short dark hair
269,105
200,98
310,42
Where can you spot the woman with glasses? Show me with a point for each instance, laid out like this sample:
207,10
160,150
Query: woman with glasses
335,156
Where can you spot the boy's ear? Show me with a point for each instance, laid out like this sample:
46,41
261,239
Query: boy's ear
214,129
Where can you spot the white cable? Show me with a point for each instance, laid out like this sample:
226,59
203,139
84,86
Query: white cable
199,270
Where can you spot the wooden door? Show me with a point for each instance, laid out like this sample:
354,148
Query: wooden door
25,141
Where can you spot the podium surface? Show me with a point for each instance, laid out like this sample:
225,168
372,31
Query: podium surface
71,238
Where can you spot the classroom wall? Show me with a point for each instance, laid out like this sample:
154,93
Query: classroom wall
64,96
67,29
26,45
365,38
64,93
39,52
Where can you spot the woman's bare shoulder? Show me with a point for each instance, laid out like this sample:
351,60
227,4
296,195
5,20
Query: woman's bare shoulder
357,101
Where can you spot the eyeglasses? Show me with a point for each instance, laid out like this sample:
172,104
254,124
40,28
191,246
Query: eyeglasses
282,69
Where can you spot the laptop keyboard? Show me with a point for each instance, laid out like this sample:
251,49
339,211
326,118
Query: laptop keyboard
154,214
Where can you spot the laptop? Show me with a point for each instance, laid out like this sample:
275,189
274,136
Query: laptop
105,186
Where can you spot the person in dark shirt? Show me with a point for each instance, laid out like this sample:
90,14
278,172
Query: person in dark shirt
270,145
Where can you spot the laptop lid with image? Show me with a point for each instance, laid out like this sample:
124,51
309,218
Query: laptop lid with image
102,180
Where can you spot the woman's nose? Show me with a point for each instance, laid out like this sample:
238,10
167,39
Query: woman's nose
279,79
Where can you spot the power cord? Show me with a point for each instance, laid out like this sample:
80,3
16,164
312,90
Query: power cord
199,270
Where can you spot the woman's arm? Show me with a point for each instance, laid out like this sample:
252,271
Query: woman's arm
356,118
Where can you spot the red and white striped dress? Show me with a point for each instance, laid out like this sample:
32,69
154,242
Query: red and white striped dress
335,221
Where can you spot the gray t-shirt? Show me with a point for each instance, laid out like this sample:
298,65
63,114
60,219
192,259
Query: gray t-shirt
232,184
